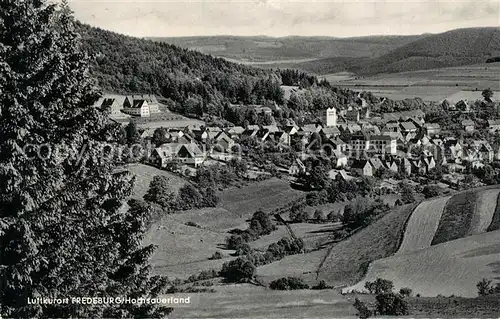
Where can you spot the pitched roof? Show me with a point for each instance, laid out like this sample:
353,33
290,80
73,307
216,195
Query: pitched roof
468,123
138,103
408,125
359,164
381,138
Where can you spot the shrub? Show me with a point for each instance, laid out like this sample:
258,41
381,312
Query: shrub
319,215
262,222
379,286
333,217
431,191
391,304
484,287
158,192
216,255
321,285
405,291
363,311
288,283
238,270
192,224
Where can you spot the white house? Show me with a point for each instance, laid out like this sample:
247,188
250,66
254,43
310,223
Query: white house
331,116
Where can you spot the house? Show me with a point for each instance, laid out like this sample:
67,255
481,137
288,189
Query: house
249,133
337,144
339,158
391,165
468,125
262,135
236,131
362,168
403,115
376,163
282,138
223,142
408,127
432,128
136,107
494,125
115,109
189,154
311,128
290,129
405,166
359,142
330,132
383,144
339,175
392,127
297,168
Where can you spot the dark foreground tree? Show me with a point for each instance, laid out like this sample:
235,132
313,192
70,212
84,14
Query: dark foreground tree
63,231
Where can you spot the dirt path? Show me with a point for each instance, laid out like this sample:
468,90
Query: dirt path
485,208
422,225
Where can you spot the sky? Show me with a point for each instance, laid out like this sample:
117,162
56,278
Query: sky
169,18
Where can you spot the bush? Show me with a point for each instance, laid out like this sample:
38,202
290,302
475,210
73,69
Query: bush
333,217
405,291
363,311
158,192
288,283
238,270
321,285
379,286
216,255
262,223
484,287
431,191
319,215
391,304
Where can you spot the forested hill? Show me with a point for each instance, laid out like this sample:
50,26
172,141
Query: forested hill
452,48
125,64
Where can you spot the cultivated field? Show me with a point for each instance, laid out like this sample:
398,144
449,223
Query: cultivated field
245,301
450,268
422,225
429,85
347,261
485,208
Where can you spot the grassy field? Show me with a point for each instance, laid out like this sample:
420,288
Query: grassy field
179,244
347,261
444,307
266,195
245,301
422,225
450,268
456,218
144,175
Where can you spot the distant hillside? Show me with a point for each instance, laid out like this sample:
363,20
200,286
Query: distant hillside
452,48
263,49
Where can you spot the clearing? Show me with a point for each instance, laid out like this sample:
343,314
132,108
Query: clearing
144,175
450,268
422,225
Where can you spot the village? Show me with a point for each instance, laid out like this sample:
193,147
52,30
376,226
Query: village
357,143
